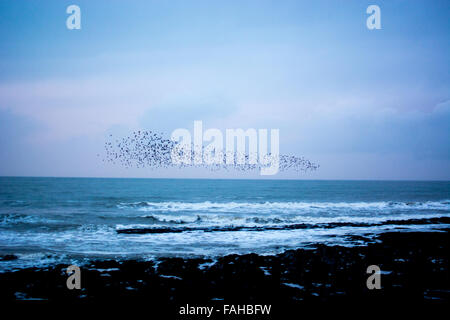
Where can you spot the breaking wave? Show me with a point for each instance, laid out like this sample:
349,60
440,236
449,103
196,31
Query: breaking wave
282,206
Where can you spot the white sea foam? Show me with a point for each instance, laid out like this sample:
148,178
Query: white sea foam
104,242
95,235
172,206
212,220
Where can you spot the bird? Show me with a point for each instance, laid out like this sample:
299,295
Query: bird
150,149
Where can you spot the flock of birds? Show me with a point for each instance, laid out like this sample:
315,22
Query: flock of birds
148,149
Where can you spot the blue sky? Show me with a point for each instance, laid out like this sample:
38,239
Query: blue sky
364,104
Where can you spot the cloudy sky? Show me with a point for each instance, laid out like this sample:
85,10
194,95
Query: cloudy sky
364,104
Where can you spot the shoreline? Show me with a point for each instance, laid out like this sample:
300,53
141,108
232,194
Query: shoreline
414,269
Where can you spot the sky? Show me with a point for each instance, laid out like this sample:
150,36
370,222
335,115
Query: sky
364,104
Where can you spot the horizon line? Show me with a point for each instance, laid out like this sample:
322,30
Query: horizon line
252,179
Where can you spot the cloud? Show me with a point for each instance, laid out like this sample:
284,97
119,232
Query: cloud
377,130
88,106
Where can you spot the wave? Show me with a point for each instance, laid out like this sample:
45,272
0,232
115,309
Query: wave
15,203
18,218
20,221
146,229
223,219
172,206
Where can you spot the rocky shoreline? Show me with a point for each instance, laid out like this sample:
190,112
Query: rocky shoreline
414,266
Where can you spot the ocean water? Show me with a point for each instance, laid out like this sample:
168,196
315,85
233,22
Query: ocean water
44,221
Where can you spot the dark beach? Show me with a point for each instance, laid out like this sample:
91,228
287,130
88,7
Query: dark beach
414,265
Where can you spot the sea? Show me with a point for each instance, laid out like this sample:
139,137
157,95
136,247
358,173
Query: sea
48,221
